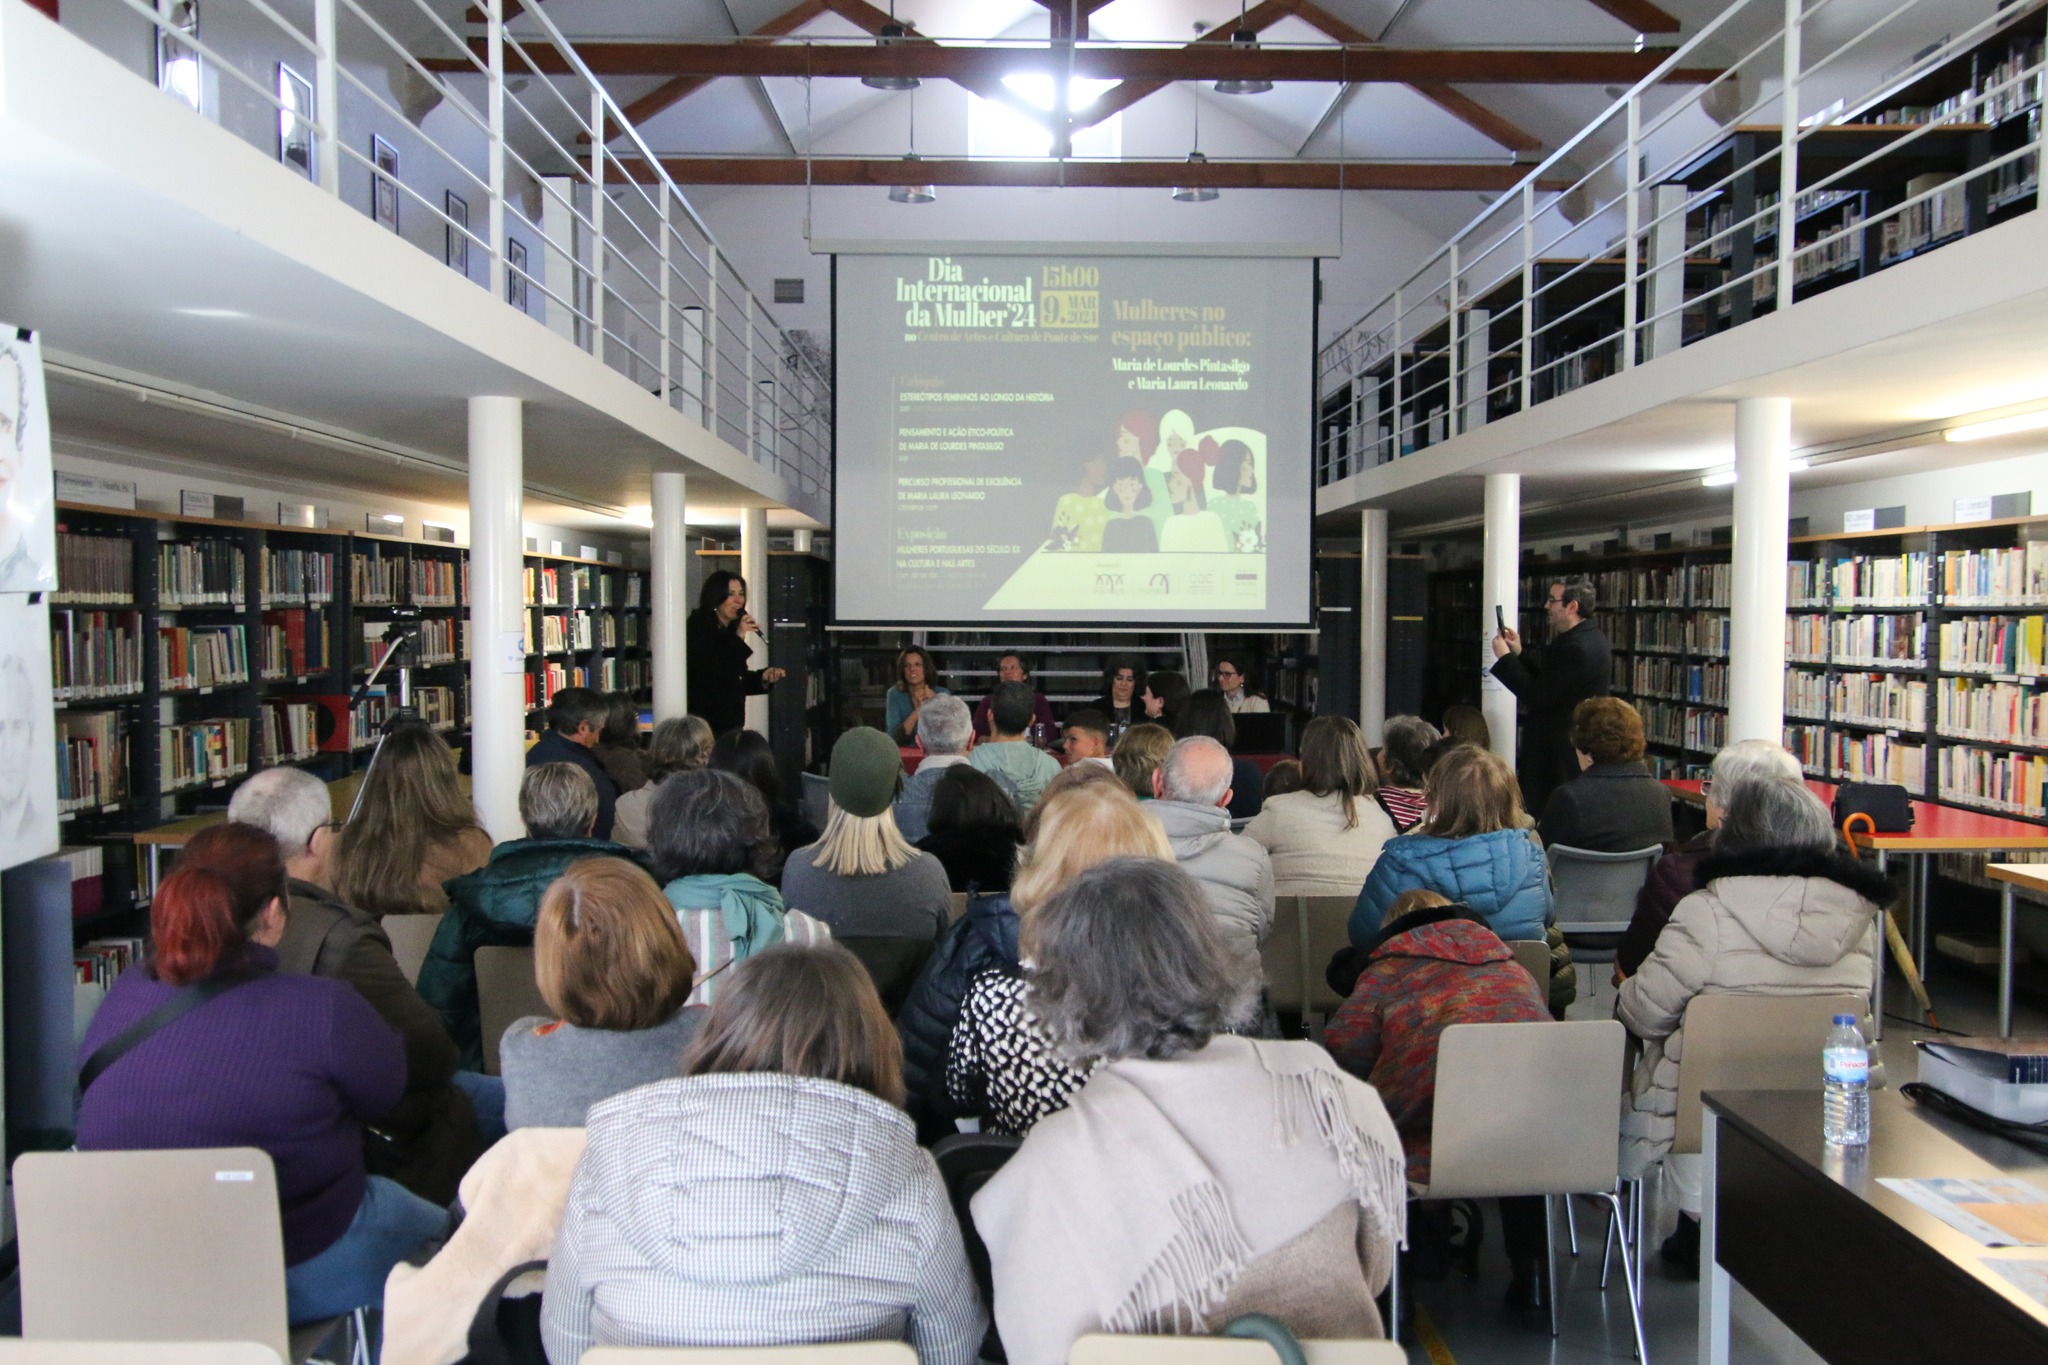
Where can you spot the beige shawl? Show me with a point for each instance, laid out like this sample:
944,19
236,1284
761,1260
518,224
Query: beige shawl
1138,1208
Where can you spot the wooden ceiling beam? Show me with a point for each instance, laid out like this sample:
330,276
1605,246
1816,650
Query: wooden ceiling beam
671,91
1639,15
1196,62
861,14
1232,175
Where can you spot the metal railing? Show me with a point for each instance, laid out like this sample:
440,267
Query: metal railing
1812,157
493,147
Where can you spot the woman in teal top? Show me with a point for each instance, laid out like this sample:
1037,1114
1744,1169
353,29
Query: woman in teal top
917,682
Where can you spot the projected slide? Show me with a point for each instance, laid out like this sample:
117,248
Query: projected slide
1073,440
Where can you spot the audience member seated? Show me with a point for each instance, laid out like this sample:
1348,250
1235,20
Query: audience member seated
1215,1175
945,734
1000,1066
973,832
496,905
1072,776
1284,777
1467,725
1206,714
618,749
1008,752
1671,876
1137,757
1433,964
1234,681
1614,805
612,965
1191,793
861,877
710,842
576,721
1040,729
772,1195
1119,705
1404,758
1324,839
1166,692
295,1065
1779,911
748,756
430,1137
917,682
677,745
1085,738
414,830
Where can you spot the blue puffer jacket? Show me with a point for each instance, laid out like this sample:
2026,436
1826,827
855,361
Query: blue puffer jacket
1502,876
982,940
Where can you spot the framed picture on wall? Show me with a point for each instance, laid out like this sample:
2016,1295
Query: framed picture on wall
458,232
383,182
295,120
515,273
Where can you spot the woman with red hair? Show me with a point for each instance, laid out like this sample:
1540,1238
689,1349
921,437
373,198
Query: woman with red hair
209,1045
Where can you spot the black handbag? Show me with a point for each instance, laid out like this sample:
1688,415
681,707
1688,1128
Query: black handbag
1888,805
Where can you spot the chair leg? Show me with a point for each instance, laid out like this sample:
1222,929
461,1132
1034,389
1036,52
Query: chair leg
1635,1298
1550,1251
1642,1226
1615,1223
1394,1299
359,1332
1571,1226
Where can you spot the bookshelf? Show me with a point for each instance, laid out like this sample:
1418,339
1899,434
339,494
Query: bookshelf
587,624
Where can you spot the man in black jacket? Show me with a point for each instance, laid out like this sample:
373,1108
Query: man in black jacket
1575,665
576,719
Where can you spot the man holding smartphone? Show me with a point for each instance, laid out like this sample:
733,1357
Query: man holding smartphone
1574,665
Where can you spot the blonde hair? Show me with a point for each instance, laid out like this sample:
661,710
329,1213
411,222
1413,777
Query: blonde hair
411,803
1408,902
800,1009
1077,829
607,950
1470,791
1140,753
861,845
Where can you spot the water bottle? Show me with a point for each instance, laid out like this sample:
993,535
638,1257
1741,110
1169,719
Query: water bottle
1845,1067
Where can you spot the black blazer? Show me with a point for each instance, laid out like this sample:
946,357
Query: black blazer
1609,808
1574,666
719,680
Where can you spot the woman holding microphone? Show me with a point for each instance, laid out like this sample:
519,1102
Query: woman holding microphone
720,680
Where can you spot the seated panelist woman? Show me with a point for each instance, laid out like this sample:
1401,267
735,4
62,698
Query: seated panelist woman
917,682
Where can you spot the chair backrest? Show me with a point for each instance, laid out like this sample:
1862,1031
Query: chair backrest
825,1353
1326,928
411,936
816,802
1534,955
958,907
1282,960
966,1162
17,1351
892,963
1595,893
1526,1109
505,991
1103,1348
1307,932
108,1243
1753,1042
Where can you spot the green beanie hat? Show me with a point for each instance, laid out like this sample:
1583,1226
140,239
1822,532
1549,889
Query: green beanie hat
867,771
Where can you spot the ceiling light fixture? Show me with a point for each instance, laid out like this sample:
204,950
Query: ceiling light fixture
1196,194
1998,426
1244,39
911,191
1723,478
891,34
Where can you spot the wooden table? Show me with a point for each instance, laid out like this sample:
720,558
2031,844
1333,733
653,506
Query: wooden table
2012,877
1860,1273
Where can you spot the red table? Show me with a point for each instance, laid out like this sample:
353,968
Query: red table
914,756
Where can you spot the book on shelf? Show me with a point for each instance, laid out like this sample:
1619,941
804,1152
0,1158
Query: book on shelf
2009,645
99,962
202,656
1992,712
291,731
295,577
1995,779
433,583
94,571
92,760
294,643
201,573
377,576
1995,577
87,864
204,751
95,655
1880,580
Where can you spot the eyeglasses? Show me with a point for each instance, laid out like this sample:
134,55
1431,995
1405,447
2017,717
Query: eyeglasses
1553,601
1706,785
1228,673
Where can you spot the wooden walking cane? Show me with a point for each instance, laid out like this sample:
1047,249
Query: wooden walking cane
1891,931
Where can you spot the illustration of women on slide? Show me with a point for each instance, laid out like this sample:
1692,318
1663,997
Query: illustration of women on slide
1234,481
1192,528
1078,517
1130,529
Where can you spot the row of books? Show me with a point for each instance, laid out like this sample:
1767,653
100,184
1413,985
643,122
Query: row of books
294,643
439,583
295,577
1711,229
290,732
1857,641
92,759
1672,632
1809,744
630,675
203,751
201,573
2016,577
201,656
439,641
87,864
1993,712
1997,779
95,655
1944,213
1992,644
438,706
1868,757
1687,727
1879,580
1891,700
1670,679
542,684
377,576
94,571
99,962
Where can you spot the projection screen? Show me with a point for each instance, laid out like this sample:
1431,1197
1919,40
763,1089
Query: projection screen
1063,439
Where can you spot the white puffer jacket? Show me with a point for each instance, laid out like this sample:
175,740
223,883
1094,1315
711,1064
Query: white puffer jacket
1233,870
1771,923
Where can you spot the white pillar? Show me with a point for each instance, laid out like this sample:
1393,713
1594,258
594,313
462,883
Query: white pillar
1499,586
1667,270
497,665
1477,348
754,568
670,596
1756,628
1372,624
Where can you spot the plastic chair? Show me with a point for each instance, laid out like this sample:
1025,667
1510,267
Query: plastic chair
506,992
966,1162
1307,932
1534,955
1103,1348
1595,895
824,1353
16,1351
1529,1109
156,1246
411,936
815,804
958,907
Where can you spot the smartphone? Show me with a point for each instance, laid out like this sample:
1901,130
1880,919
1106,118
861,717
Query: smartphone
1500,620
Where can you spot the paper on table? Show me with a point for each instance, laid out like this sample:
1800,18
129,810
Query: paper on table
2029,1277
1996,1213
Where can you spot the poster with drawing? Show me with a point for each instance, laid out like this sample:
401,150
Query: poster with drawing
28,750
28,539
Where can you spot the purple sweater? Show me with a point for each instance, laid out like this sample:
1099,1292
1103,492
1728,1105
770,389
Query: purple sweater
291,1064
